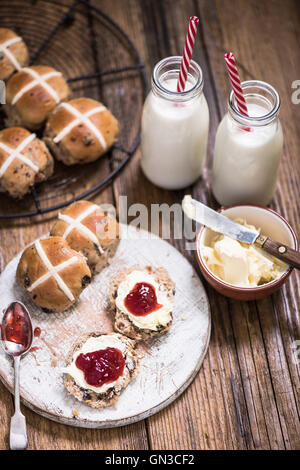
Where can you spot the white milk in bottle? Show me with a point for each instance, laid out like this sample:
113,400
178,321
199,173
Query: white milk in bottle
248,149
174,127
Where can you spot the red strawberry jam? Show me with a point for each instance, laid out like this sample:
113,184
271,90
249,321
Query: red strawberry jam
142,299
101,367
16,327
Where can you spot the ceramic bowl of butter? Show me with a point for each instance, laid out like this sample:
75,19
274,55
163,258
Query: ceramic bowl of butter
239,270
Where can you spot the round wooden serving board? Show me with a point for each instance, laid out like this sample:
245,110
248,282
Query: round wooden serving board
169,365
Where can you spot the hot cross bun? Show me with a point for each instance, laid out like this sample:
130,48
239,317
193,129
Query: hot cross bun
142,302
53,274
80,131
32,94
24,161
13,53
89,230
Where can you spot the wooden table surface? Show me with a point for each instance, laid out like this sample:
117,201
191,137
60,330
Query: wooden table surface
246,395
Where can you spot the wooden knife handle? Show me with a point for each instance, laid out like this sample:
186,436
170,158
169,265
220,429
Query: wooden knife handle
282,252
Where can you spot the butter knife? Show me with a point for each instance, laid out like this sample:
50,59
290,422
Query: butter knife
219,223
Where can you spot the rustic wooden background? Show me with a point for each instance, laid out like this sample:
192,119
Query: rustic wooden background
246,395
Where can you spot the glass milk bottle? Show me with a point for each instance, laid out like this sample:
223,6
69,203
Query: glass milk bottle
248,149
174,127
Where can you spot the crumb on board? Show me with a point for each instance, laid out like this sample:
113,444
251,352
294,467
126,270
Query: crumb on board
183,318
75,413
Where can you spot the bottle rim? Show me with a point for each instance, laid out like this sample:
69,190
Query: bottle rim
174,63
255,120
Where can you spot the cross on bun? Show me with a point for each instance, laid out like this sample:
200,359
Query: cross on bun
80,131
89,230
24,161
13,53
32,94
53,274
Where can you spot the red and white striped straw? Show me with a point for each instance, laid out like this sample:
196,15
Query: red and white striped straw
236,83
187,53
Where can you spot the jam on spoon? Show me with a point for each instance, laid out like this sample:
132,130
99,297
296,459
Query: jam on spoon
16,336
101,367
142,299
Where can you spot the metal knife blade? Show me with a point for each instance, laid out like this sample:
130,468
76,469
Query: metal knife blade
217,222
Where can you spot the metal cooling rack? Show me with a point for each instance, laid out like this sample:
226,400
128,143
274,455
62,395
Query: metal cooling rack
68,182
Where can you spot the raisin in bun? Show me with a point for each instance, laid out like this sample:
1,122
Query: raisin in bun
80,131
53,274
32,94
24,161
102,396
13,53
151,292
89,230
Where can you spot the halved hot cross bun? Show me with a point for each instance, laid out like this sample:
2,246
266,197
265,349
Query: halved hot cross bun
24,161
116,366
13,53
32,94
89,230
53,274
80,131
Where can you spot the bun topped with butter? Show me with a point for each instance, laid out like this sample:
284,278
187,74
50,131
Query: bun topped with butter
142,302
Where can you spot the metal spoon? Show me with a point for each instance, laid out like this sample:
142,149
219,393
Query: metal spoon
16,336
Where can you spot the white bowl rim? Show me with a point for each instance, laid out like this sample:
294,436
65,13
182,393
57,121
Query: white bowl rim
263,287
